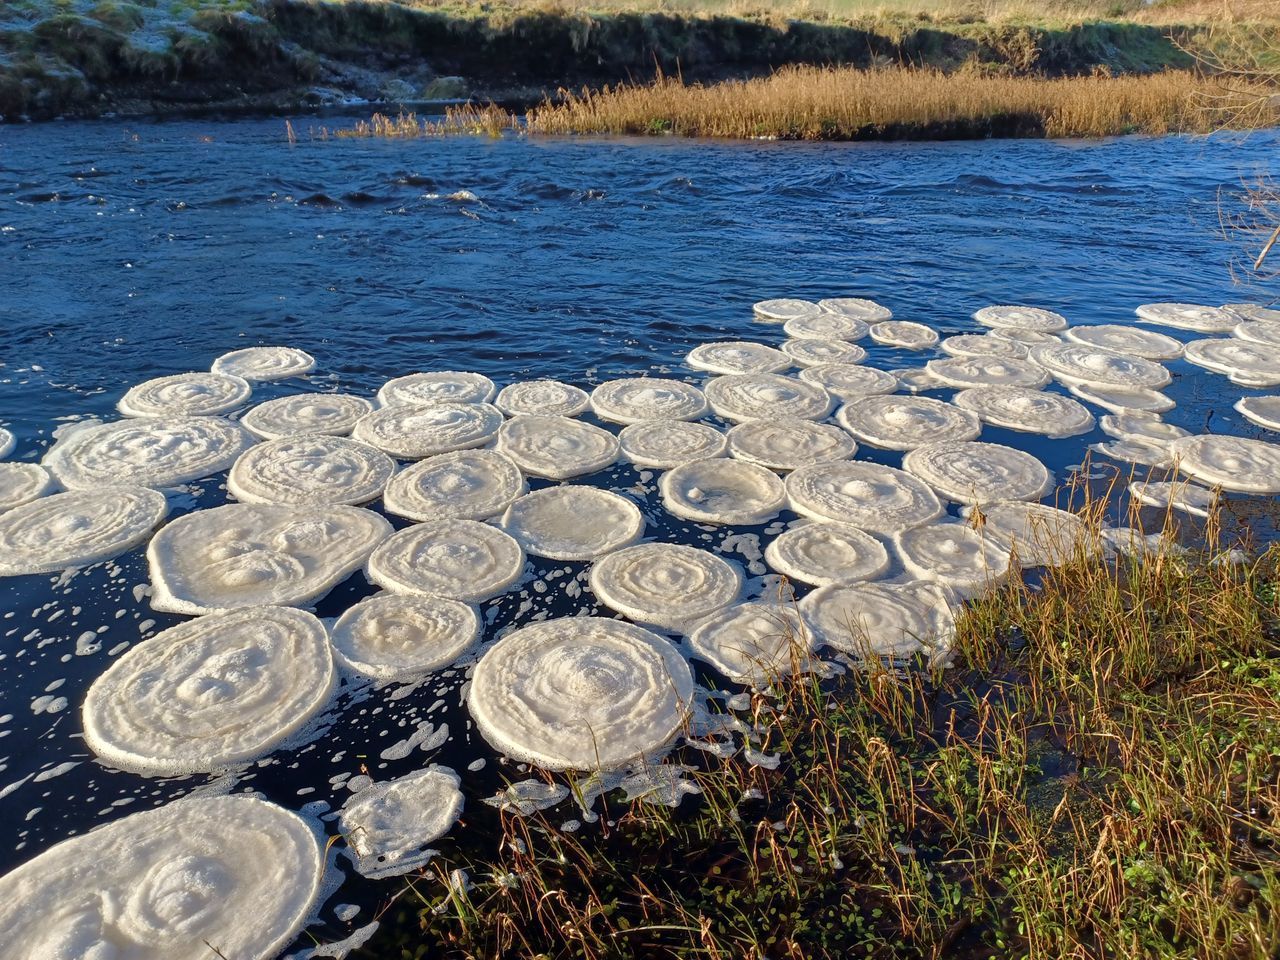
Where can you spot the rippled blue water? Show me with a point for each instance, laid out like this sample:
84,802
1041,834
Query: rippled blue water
130,250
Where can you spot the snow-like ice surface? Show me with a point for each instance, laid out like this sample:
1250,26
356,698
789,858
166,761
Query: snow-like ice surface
1124,339
982,345
265,363
787,443
572,522
914,380
1027,411
737,356
186,395
751,396
826,325
464,485
582,693
211,693
1178,495
164,884
462,560
1074,363
388,825
1124,425
251,554
869,620
1233,463
1039,535
872,497
7,442
394,635
1259,331
666,585
663,444
867,311
145,452
782,309
1139,450
441,386
1254,311
972,472
301,414
77,528
810,353
903,423
1120,400
954,554
1031,319
557,447
848,382
1264,411
416,432
826,552
722,491
647,398
904,333
753,643
309,471
1028,338
1244,361
988,371
548,398
21,483
1189,316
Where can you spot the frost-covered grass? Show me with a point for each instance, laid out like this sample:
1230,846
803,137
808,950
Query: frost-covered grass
1097,776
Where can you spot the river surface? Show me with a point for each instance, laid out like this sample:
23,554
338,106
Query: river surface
130,250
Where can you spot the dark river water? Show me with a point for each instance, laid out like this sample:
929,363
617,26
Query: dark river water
134,249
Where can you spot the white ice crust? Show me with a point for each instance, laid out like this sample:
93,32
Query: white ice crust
848,382
581,693
251,554
988,371
1258,331
915,380
722,491
302,414
872,620
812,352
7,442
663,444
309,471
1031,319
388,825
212,693
464,485
953,554
1075,363
1233,463
1120,400
1180,495
232,871
393,635
186,395
77,528
737,356
1146,427
787,443
647,398
1040,535
1254,311
826,325
1263,411
21,483
982,345
867,311
903,423
904,333
872,497
782,309
548,398
1139,450
265,363
1244,361
751,396
1026,411
441,386
825,552
1189,316
573,522
146,452
665,585
463,560
557,447
753,643
972,472
1125,339
416,432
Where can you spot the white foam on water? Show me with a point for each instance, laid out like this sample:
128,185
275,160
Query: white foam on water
548,398
1076,363
582,693
737,356
310,471
869,496
868,311
904,333
186,395
244,555
527,797
417,432
388,825
1030,319
211,693
1121,400
396,636
1038,535
441,386
21,483
463,485
873,620
754,643
557,448
964,372
1026,411
752,396
971,472
1189,316
304,414
1245,362
983,345
848,382
666,585
1263,411
663,444
634,399
1180,495
461,560
955,555
1233,463
825,325
782,309
572,522
826,552
810,353
722,491
903,423
1124,339
77,528
787,443
265,363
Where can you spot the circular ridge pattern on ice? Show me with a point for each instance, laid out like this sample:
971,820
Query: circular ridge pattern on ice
309,471
1139,450
463,485
663,444
185,395
163,884
557,448
737,356
441,386
1253,311
304,414
1028,411
395,635
825,552
1120,400
647,398
1028,338
582,693
880,619
848,382
811,353
753,643
1258,331
870,496
667,585
573,522
904,333
1134,341
782,309
722,491
866,310
417,432
21,483
915,380
1078,363
7,442
1030,319
265,363
955,555
1041,536
1189,316
1179,495
983,345
825,325
754,395
988,372
388,824
902,423
463,560
211,693
258,554
787,443
77,529
1245,362
972,472
1263,411
1233,463
1124,425
548,398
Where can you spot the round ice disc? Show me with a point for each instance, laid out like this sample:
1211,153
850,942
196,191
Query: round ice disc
826,325
722,491
868,311
185,395
557,447
76,529
783,309
754,643
974,345
388,825
442,386
953,554
737,356
904,333
867,495
665,585
1233,463
1077,363
265,363
416,432
1025,410
1180,495
1120,400
7,442
1189,316
785,443
573,522
1264,411
1123,425
462,560
463,485
1038,535
548,398
872,620
752,396
1254,364
663,444
811,353
848,382
394,635
903,423
310,471
304,414
1131,340
826,552
971,472
647,398
21,483
1032,319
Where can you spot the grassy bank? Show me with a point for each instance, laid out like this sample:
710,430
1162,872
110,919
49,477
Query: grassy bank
1097,776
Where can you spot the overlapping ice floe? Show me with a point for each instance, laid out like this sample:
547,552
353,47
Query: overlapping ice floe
737,356
1254,311
870,496
1264,411
915,380
1180,495
955,555
1028,338
826,325
265,363
461,560
972,472
548,398
1125,425
1037,534
903,423
1026,411
394,635
302,414
1189,316
416,432
21,483
988,371
647,398
388,825
211,693
722,491
904,333
1124,339
1233,463
787,443
1245,362
1133,449
811,353
463,485
751,396
848,382
663,444
557,447
666,585
572,522
870,620
825,552
782,309
250,554
867,311
1258,331
981,345
1076,363
754,643
1120,400
309,471
7,442
186,395
1030,319
77,528
582,693
441,386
